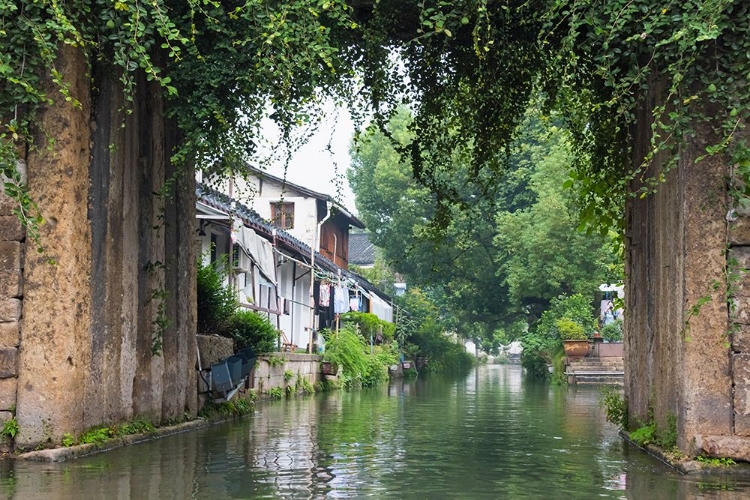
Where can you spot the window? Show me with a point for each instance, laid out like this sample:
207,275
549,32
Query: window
282,214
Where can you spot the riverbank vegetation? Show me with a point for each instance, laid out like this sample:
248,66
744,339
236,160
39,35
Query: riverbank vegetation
219,312
511,267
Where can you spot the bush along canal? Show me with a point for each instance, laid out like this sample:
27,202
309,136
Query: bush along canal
492,433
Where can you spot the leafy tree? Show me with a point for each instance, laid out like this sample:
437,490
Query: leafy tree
216,302
499,262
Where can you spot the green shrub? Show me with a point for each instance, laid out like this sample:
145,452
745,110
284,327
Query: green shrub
369,325
10,428
543,341
250,329
276,393
615,407
346,349
569,329
612,332
216,303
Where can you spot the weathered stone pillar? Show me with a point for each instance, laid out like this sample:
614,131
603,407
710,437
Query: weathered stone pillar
677,357
124,258
54,352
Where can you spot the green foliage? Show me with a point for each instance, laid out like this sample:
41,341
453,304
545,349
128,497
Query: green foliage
644,435
615,407
569,329
10,428
68,440
668,436
219,313
275,392
250,329
275,360
216,303
136,427
369,325
346,349
304,385
612,332
691,58
288,375
715,461
526,233
96,435
543,341
233,408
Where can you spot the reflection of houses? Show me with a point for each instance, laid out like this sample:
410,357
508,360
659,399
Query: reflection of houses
272,270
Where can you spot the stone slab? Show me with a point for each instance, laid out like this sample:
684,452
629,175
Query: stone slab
10,255
739,231
734,447
11,283
10,334
7,204
10,310
62,454
741,339
8,391
213,348
8,362
11,229
741,375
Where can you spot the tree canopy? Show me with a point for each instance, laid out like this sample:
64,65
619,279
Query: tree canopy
466,68
499,260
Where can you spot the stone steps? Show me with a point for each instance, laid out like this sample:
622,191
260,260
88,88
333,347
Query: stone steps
609,371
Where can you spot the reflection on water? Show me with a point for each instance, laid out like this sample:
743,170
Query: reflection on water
491,434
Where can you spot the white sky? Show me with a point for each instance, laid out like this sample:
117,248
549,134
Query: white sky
313,166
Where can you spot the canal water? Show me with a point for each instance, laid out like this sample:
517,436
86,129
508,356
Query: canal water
491,434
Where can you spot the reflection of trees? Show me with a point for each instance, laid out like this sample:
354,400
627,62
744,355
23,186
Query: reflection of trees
493,434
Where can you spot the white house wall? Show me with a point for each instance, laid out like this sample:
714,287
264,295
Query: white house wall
295,325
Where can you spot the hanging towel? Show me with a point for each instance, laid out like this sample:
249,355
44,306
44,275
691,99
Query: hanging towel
340,299
325,295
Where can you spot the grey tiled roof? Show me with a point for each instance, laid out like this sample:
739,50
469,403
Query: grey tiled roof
361,250
251,219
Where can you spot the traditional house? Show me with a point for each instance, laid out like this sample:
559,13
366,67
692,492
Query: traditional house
279,275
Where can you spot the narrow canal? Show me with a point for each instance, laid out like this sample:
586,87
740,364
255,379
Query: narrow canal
491,434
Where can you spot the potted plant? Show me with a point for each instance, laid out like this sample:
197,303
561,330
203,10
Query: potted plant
573,336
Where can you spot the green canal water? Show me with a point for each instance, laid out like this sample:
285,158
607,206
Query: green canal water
490,434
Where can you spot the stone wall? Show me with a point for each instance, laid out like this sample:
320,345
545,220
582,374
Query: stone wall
12,247
678,364
88,328
269,370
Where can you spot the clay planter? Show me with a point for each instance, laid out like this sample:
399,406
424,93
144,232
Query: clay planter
576,348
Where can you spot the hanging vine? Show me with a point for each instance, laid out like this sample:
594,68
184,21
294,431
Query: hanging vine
467,69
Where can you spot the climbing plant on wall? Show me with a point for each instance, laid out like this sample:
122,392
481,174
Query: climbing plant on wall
467,68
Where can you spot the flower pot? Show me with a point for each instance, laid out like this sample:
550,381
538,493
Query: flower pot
576,348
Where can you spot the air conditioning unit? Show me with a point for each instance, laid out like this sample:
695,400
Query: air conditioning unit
240,260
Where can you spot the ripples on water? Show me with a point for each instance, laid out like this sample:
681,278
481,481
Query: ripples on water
492,434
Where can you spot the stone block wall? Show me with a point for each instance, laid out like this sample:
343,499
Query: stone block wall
269,370
12,246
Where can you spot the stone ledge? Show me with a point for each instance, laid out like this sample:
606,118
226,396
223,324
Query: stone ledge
686,465
83,450
291,356
734,447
